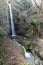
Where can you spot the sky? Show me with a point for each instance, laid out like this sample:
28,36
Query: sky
37,1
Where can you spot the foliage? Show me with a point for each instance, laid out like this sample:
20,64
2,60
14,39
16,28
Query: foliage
22,51
26,64
2,35
2,39
23,5
28,47
33,29
0,2
1,62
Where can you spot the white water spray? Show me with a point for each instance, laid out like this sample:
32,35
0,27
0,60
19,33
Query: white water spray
12,23
29,56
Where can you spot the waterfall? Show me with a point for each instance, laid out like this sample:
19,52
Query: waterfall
12,23
29,57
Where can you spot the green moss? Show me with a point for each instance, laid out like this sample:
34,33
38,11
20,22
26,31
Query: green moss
22,51
28,47
0,2
20,40
26,64
40,55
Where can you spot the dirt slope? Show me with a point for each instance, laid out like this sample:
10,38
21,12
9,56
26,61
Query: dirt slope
13,53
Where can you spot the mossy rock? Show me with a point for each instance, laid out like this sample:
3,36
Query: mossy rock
41,55
26,64
22,51
28,47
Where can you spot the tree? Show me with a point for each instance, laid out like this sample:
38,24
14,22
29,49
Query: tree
40,15
39,7
23,5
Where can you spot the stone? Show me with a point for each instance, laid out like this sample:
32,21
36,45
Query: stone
41,55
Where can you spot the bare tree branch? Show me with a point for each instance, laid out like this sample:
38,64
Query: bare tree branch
38,6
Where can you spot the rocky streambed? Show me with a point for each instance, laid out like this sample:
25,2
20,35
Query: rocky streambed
14,54
34,46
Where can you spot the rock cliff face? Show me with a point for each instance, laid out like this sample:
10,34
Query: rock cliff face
21,18
4,15
21,21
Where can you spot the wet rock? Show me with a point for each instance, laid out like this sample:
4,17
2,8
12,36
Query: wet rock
39,49
41,55
37,60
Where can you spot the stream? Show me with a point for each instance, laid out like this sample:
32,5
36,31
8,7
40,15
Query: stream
11,21
28,55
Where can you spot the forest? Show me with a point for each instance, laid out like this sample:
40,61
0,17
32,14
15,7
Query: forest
21,32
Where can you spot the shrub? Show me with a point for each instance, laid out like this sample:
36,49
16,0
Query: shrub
1,62
2,35
26,64
33,29
2,39
28,47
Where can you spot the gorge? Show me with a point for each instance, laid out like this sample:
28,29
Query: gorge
24,46
28,55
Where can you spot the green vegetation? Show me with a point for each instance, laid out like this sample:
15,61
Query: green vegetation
2,35
23,52
2,39
26,64
23,5
28,47
33,29
1,62
27,19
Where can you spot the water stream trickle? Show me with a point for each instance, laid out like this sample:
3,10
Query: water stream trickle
28,55
12,23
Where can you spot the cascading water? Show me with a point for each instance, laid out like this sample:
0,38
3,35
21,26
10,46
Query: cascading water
12,23
29,57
